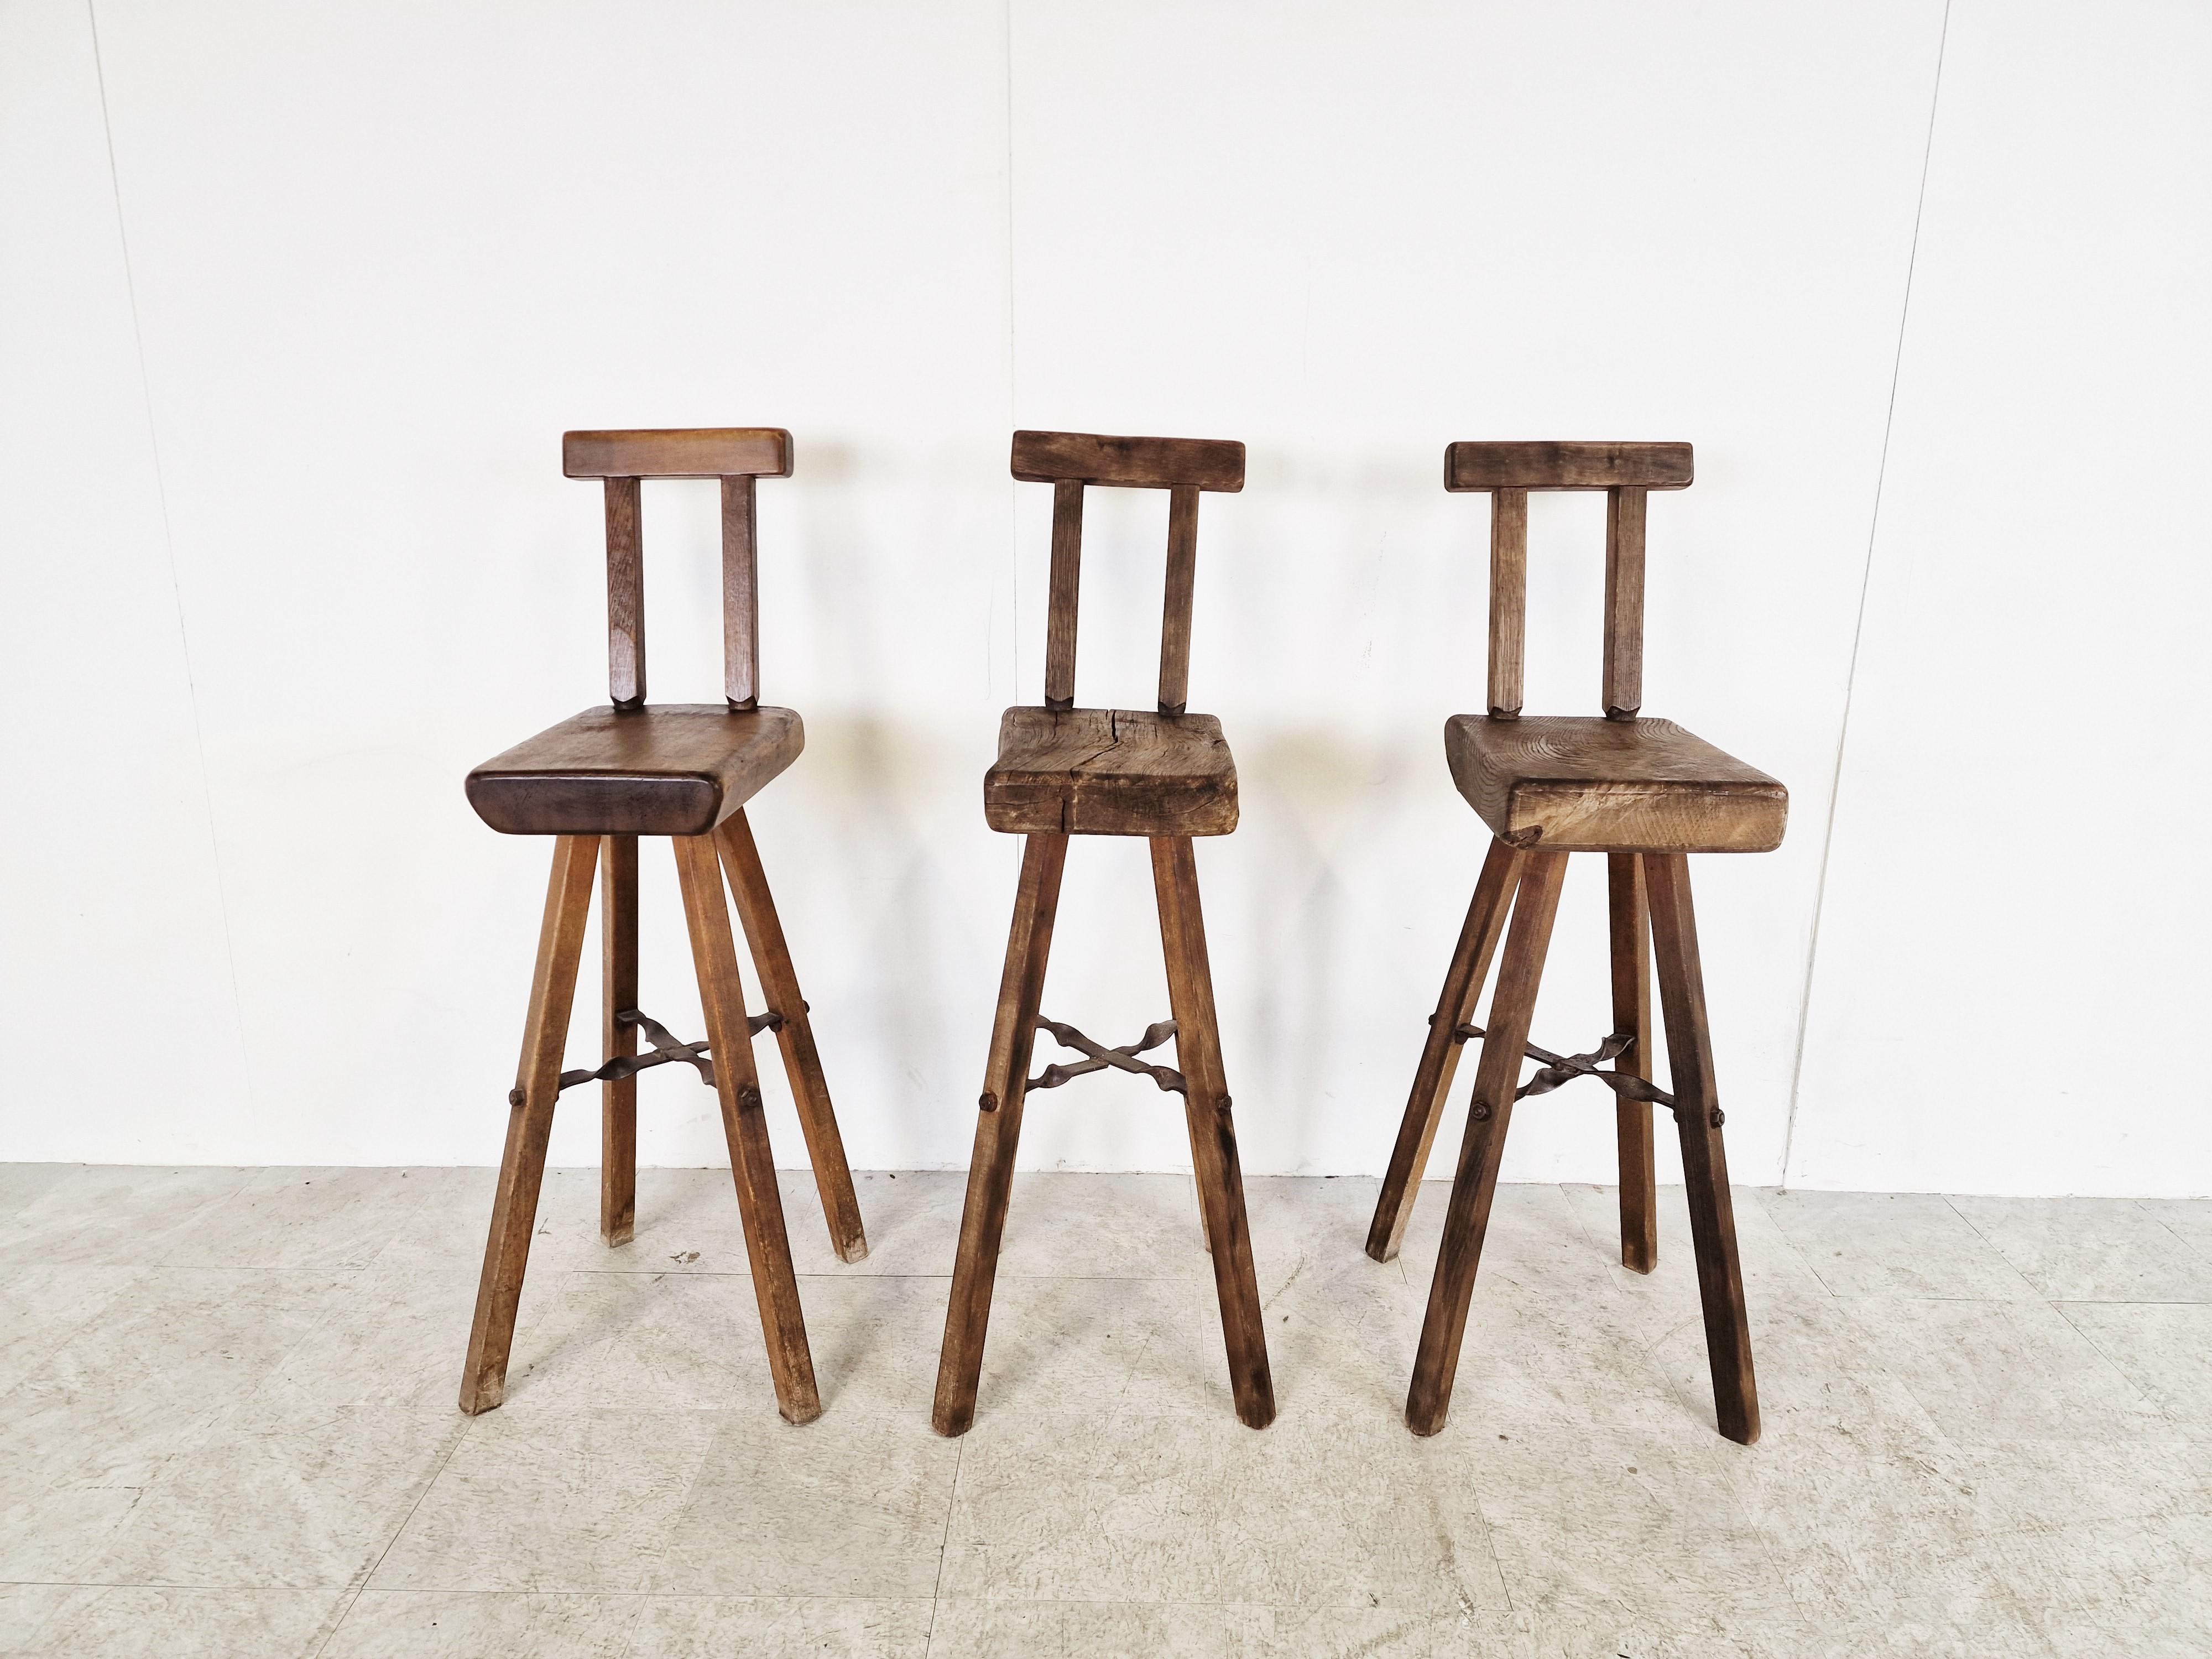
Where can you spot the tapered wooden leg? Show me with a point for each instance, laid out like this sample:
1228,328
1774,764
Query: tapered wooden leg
752,1165
529,1122
1631,1012
1432,1078
619,991
1705,1164
1213,1131
802,1064
1436,1362
998,1133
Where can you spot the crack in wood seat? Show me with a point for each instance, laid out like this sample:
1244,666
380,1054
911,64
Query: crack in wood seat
1576,784
1110,772
677,769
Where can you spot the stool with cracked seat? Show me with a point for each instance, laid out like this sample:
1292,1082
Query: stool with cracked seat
1644,792
597,783
1166,775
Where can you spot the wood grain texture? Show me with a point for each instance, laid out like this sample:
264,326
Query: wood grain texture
1508,599
1547,465
1130,462
529,1122
1213,1135
1110,772
740,594
1432,1078
625,595
1704,1162
1582,784
745,1125
618,991
1066,594
794,1037
1622,693
1629,939
997,1133
1175,611
761,451
1444,1328
676,769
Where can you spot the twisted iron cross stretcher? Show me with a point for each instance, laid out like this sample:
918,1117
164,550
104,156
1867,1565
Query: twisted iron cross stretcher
1123,1059
1565,1068
666,1048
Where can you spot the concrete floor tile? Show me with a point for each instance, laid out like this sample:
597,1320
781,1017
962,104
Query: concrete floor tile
1103,1226
2164,1348
134,1622
552,1502
1068,1347
1319,1508
1771,1263
469,1625
1642,1520
299,1217
117,1215
24,1184
968,1629
1912,1244
855,1500
170,1354
782,1627
47,1534
1534,1227
2189,1219
1997,1372
25,1607
2091,1250
40,1308
309,1503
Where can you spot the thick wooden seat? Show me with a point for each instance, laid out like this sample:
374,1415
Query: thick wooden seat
678,770
1110,772
1573,784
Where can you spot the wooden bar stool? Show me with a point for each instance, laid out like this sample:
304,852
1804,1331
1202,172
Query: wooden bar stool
685,770
1065,771
1645,794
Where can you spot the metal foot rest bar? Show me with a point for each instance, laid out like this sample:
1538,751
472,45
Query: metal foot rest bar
1123,1059
666,1048
1565,1068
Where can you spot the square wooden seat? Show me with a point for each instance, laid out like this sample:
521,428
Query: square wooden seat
1110,772
676,769
1576,784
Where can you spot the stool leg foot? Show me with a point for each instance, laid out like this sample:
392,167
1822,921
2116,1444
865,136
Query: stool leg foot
618,990
1436,1362
802,1063
1432,1078
530,1122
752,1164
1628,913
1213,1131
998,1132
1705,1164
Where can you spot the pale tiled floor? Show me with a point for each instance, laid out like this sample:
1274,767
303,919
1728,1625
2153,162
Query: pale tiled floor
227,1427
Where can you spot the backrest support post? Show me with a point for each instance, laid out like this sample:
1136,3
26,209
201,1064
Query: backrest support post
625,596
1508,599
1624,603
1174,615
1627,472
1067,579
740,594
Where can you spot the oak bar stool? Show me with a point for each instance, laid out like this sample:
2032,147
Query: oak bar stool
685,770
1645,794
1065,771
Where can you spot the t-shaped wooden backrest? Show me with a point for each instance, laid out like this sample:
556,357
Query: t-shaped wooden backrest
1508,472
1182,466
736,455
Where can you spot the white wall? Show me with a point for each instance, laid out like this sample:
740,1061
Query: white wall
285,543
